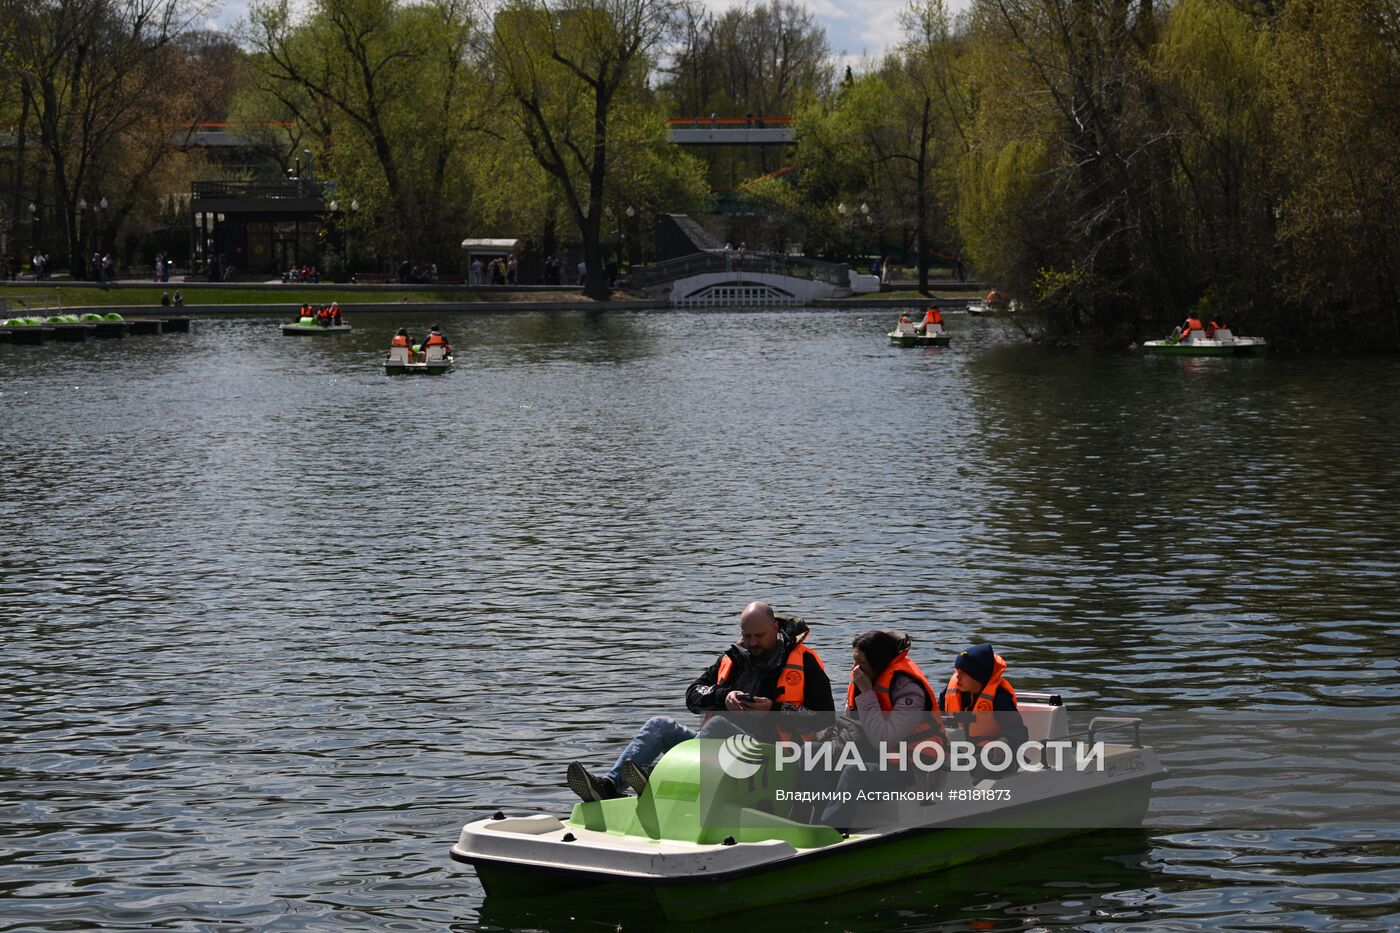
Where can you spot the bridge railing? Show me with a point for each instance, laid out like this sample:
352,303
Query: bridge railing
256,189
734,261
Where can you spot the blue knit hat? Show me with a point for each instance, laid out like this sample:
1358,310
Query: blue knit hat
977,662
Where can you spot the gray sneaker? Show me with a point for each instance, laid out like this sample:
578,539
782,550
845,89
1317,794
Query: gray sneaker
588,786
635,776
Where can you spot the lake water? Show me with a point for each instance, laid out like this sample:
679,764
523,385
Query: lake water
274,625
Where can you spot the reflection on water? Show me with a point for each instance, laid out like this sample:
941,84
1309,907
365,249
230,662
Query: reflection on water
275,625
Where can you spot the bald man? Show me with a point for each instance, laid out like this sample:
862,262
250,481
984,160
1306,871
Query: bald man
768,668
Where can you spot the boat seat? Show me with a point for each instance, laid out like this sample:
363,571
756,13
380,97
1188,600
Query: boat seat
1223,333
434,354
906,327
1044,722
398,355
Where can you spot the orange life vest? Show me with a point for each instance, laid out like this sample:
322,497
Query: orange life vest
399,341
927,733
435,340
982,726
933,316
1192,323
792,681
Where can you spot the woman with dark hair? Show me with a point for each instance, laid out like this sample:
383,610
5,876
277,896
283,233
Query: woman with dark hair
888,695
893,703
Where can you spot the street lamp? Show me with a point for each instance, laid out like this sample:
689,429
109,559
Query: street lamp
354,209
101,220
630,212
78,263
332,207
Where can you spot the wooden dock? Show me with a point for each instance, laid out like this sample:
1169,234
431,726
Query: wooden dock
32,334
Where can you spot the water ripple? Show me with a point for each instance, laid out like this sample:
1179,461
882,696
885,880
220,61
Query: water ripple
274,625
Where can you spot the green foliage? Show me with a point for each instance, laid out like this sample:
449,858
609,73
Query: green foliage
572,74
1001,209
1335,77
1212,71
764,60
383,93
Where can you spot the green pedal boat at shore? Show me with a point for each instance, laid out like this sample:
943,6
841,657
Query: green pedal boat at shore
708,836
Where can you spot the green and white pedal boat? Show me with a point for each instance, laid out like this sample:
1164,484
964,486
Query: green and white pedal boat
1220,343
699,843
907,335
307,327
401,362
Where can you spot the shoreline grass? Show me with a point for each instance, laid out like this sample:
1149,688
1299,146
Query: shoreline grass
28,298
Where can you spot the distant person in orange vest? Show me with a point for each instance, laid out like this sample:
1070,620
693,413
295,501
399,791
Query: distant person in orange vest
983,700
931,316
1192,322
323,317
400,339
436,338
1213,327
336,318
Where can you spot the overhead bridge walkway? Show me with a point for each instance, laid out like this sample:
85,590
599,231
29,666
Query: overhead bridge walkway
730,131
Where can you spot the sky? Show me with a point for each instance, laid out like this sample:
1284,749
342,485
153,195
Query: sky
855,29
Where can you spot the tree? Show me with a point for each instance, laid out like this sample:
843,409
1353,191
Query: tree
569,67
922,137
1336,95
769,60
764,60
387,93
92,74
1064,80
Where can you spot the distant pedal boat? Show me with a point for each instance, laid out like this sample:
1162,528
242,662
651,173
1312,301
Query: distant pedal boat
307,327
401,362
1221,343
906,334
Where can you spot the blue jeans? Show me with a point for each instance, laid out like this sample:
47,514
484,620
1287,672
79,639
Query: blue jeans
844,815
660,734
